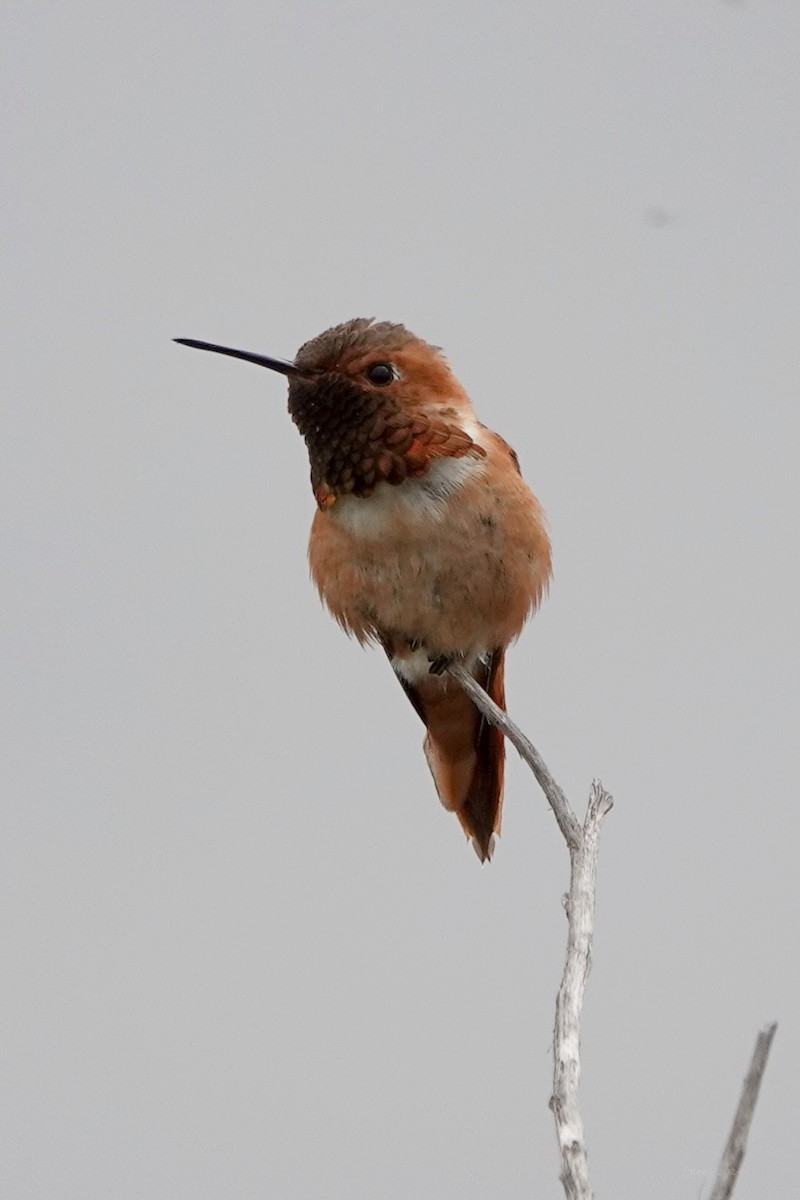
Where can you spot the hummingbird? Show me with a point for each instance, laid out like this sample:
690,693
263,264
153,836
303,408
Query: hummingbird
426,540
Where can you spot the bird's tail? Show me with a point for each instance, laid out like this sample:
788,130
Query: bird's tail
465,753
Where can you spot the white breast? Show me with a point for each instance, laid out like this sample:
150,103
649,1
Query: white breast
424,499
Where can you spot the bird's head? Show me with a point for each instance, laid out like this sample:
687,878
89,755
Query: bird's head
374,403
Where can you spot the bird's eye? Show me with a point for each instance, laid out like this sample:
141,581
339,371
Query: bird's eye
380,373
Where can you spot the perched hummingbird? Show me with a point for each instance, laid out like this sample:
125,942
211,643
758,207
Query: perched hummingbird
426,540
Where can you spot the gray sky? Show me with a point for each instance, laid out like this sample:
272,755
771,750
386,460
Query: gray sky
246,954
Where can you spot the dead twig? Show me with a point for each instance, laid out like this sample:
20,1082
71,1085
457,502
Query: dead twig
582,843
736,1144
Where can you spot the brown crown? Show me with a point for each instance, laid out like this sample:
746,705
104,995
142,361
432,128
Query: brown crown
328,350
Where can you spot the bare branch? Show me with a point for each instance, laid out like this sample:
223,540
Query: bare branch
580,903
736,1145
582,843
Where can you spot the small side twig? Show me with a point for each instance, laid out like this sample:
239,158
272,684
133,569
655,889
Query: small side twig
567,821
736,1144
582,843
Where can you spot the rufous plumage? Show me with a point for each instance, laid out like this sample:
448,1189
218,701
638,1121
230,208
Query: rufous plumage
426,539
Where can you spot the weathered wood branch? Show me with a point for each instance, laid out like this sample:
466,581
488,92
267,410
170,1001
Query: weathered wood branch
580,904
582,843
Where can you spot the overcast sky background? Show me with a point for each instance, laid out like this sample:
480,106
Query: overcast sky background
245,952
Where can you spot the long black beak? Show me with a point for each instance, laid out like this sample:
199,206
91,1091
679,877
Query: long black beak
261,360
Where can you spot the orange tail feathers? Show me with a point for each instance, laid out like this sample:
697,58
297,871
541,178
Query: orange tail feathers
465,753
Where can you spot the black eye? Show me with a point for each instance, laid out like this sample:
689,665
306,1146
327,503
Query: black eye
380,373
